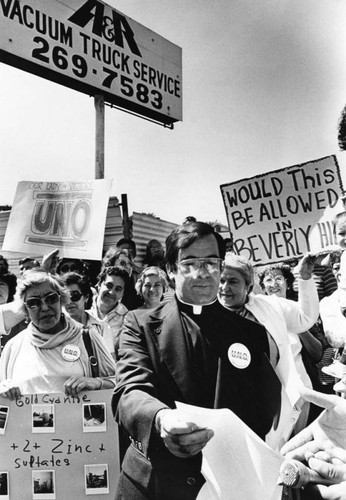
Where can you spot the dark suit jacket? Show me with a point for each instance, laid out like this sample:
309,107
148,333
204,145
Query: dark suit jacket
153,372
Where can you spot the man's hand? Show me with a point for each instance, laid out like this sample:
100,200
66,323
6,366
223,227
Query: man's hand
334,469
182,438
328,430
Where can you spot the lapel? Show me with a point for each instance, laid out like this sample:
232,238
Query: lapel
165,329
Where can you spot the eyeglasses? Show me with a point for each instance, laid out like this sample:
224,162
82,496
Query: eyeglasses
65,268
188,266
75,295
270,280
36,302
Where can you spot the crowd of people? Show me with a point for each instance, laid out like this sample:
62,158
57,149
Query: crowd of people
187,325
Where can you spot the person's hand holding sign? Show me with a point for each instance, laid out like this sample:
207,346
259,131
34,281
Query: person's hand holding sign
9,390
50,261
306,266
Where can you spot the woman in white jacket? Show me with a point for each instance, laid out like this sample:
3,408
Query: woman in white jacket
279,316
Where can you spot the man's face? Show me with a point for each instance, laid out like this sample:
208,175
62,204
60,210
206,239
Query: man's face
197,286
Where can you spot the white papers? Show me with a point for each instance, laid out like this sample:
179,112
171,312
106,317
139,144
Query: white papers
237,464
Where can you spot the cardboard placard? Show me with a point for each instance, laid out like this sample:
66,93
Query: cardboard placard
54,446
70,216
283,214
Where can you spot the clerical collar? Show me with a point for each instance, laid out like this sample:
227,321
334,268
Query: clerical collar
196,309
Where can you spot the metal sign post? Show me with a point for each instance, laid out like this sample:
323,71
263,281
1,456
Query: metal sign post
100,137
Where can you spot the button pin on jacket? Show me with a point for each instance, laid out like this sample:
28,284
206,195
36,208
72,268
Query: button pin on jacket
239,355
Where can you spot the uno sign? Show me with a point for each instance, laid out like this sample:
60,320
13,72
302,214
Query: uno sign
93,48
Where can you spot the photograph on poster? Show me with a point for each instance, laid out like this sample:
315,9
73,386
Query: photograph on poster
3,418
94,417
96,479
4,486
43,418
43,485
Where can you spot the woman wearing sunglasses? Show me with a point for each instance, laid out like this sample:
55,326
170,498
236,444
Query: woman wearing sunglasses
79,299
50,354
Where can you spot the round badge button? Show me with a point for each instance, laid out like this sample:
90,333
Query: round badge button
70,352
239,355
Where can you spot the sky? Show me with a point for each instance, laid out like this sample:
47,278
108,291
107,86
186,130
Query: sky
264,82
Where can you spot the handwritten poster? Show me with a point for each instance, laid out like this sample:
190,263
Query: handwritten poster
54,446
285,213
70,216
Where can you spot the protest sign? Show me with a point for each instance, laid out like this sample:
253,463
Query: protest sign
55,446
285,213
70,216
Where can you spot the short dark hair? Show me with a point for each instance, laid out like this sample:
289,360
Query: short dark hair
286,273
83,284
112,254
11,281
113,271
127,241
183,236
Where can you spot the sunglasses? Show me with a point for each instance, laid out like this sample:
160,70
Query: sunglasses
36,302
75,296
65,268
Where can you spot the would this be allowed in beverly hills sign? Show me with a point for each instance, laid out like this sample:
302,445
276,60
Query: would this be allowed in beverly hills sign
283,214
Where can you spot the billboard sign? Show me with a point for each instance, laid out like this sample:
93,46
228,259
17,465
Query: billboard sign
91,47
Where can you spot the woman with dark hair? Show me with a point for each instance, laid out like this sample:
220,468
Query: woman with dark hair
79,299
122,259
118,257
50,355
154,255
107,305
277,279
